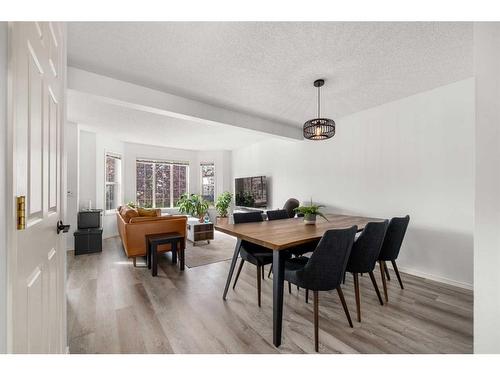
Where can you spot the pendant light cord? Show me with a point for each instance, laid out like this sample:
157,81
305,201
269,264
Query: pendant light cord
319,101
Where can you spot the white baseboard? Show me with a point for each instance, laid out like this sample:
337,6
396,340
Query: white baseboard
439,279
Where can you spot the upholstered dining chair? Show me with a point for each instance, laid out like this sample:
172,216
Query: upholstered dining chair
290,206
252,253
295,251
364,255
277,214
390,249
324,270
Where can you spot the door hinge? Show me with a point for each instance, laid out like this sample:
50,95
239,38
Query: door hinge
21,212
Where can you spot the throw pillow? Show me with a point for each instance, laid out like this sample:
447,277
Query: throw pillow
148,212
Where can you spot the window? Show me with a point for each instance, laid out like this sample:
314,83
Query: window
113,181
208,181
160,184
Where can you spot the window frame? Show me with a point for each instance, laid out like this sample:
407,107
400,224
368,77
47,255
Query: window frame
202,163
171,163
119,198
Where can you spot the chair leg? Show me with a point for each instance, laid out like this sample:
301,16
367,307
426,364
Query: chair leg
316,320
238,273
387,272
289,288
384,284
134,262
344,305
358,298
307,295
258,284
343,279
397,273
270,270
263,273
374,282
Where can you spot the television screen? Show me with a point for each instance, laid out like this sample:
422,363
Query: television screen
251,192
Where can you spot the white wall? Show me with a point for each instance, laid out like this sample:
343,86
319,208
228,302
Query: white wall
90,157
412,156
487,203
87,189
3,182
71,139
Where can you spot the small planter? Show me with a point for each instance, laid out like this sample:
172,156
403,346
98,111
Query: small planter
222,220
310,219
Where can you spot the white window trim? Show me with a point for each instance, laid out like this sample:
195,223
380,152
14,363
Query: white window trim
171,163
215,179
119,183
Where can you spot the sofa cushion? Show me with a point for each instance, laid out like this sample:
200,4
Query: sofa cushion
129,213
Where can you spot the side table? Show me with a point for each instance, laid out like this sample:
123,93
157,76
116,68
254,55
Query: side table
154,240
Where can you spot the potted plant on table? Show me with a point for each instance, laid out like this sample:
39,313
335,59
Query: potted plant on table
193,205
222,206
310,212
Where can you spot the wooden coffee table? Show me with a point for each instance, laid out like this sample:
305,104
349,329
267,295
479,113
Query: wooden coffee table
197,231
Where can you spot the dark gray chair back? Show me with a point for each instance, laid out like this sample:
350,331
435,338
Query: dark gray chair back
290,206
277,215
326,267
366,248
394,238
247,217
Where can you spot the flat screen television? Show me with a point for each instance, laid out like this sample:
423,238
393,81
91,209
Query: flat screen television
251,192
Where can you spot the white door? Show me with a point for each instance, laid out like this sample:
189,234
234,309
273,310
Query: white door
37,71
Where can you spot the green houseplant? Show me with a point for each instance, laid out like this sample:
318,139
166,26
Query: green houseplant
310,212
193,205
223,202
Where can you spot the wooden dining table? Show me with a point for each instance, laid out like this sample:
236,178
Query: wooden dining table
278,235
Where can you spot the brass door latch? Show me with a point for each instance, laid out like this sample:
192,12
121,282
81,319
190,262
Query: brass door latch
21,212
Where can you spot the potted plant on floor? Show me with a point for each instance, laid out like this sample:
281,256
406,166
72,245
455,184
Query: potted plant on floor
222,206
310,212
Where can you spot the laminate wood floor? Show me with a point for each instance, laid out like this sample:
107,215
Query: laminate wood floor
116,308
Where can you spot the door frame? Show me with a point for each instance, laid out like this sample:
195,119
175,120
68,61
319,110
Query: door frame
11,229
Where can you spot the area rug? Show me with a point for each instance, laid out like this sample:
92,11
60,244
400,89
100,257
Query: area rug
221,248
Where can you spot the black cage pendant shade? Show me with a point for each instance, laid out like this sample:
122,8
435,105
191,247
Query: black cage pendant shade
319,128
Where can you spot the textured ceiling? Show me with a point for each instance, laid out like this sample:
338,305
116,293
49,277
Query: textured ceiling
267,69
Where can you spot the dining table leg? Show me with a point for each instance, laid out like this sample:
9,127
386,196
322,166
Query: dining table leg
231,268
278,281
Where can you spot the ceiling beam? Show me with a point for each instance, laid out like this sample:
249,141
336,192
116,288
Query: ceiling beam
145,99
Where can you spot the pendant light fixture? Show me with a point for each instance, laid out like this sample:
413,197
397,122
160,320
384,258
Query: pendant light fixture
319,128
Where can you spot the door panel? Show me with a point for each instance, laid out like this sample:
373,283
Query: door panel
53,150
35,137
37,102
34,321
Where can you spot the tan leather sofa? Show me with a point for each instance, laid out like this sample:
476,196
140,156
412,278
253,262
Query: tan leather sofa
133,233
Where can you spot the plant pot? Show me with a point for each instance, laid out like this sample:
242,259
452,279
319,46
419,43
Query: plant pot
222,220
310,219
202,219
